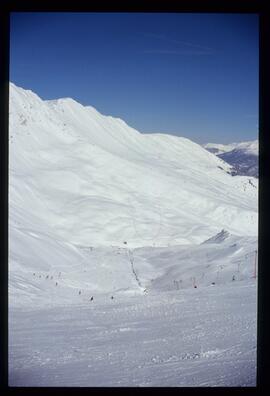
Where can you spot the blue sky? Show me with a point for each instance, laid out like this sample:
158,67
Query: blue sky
192,75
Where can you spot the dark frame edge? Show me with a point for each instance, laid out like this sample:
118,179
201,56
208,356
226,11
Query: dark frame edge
4,108
263,345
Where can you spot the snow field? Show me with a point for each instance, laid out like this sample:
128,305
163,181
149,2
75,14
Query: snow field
141,340
97,209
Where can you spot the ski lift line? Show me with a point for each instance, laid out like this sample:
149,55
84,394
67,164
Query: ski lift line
131,260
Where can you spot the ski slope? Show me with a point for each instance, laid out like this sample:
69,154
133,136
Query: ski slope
97,209
46,271
207,338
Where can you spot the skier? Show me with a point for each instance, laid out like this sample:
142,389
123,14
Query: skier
92,298
80,292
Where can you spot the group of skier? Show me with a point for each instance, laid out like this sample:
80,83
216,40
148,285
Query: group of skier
56,284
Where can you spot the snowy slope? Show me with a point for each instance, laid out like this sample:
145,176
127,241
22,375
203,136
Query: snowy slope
81,179
97,209
205,337
48,272
97,181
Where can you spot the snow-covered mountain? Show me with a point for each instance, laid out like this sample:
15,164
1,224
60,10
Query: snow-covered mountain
96,181
250,147
79,179
132,258
242,156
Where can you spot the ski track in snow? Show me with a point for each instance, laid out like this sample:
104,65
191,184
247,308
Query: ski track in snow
202,337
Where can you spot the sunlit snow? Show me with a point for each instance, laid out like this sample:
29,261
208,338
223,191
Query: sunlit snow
132,258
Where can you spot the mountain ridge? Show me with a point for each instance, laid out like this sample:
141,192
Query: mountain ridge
78,164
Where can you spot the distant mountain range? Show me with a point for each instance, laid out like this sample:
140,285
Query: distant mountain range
242,156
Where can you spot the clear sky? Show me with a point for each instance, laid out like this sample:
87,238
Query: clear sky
192,75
